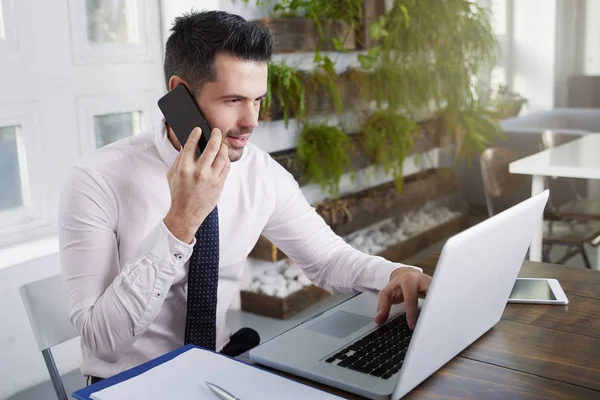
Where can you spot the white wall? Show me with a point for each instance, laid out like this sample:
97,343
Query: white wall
534,52
591,63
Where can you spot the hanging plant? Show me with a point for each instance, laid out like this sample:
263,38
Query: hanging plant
388,137
324,154
326,83
473,129
286,93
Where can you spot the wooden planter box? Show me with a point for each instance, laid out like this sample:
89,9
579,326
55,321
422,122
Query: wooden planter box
361,209
358,210
412,246
372,10
298,34
281,307
265,250
430,136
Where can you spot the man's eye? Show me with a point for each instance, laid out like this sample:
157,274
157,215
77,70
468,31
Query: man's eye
234,101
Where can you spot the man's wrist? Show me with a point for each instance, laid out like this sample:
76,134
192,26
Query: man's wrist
404,269
179,229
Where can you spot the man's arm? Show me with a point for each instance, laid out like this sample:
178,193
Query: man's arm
300,232
111,305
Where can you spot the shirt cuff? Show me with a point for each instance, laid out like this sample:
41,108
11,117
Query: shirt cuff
165,249
385,271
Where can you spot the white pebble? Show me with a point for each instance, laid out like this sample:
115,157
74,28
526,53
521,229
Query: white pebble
269,290
294,286
281,292
268,279
254,286
293,271
303,279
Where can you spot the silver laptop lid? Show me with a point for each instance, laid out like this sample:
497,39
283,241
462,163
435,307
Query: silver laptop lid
473,279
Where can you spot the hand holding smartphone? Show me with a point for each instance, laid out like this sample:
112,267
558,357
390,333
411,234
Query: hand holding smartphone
197,176
183,115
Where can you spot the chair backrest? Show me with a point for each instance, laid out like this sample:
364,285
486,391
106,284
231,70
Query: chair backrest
551,139
48,311
497,180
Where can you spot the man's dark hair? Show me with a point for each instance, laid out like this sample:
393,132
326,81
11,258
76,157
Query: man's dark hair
199,36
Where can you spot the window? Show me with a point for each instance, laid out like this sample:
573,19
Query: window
111,21
114,31
109,128
2,34
500,12
8,29
13,172
498,77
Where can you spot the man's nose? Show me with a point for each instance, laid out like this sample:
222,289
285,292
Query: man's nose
249,119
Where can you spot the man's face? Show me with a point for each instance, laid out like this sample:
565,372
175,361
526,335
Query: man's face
232,102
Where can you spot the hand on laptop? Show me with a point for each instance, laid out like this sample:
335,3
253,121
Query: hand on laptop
406,285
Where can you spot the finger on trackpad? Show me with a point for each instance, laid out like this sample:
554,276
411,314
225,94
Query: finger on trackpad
340,324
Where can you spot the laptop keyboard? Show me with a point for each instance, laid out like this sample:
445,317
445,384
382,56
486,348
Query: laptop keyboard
380,353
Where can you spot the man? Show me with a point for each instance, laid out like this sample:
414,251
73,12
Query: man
153,240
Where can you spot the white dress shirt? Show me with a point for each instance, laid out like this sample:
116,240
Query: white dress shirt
126,275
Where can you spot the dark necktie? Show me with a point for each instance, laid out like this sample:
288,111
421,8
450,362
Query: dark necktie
203,279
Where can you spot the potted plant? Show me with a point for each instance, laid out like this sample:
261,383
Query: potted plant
286,93
313,25
387,138
324,155
506,103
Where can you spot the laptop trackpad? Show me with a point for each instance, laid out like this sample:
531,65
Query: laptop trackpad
340,324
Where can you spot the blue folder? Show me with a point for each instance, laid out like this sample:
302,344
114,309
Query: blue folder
86,392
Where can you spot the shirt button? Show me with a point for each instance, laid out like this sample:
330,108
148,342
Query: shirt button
178,256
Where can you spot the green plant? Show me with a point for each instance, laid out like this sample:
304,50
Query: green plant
324,154
388,137
430,51
325,81
505,102
286,90
472,128
320,11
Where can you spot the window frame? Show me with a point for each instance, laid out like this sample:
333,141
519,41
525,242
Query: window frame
86,53
10,42
89,107
34,212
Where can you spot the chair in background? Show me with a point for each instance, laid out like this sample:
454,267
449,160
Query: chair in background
48,312
580,208
498,181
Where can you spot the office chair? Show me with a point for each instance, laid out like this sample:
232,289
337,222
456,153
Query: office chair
498,181
48,312
580,208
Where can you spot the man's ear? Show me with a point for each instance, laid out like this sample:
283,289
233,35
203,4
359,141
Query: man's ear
176,80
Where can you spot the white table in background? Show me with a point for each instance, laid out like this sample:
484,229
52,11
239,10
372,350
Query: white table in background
579,158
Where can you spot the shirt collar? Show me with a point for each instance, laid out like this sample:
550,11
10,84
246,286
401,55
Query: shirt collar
165,148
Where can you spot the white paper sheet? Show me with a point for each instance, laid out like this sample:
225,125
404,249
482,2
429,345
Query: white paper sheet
183,378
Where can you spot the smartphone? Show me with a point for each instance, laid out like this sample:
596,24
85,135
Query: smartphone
183,115
538,291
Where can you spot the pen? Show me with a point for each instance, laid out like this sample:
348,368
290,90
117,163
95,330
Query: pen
222,393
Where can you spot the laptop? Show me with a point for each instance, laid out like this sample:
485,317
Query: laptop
475,274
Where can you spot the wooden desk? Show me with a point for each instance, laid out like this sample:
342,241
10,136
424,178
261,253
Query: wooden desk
534,352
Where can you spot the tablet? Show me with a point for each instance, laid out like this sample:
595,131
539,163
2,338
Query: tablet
537,290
